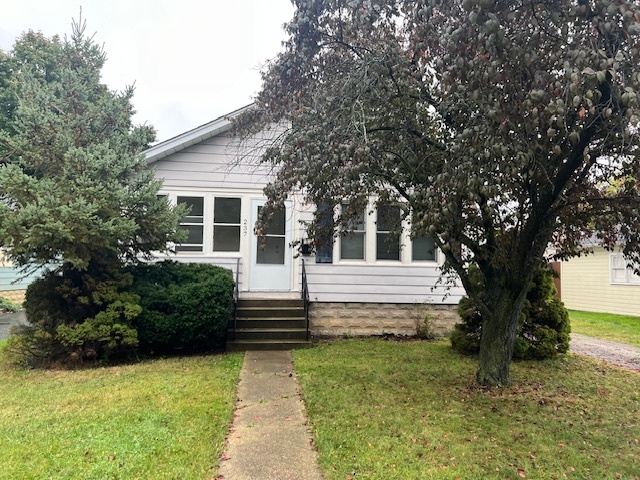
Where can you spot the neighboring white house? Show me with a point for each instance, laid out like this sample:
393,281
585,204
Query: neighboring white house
600,282
362,284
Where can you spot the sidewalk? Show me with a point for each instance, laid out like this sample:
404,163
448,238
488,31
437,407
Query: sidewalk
269,439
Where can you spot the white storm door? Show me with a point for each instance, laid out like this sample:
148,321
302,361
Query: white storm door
271,251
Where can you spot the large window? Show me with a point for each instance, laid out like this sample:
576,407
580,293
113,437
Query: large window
621,274
352,244
381,237
212,224
226,224
193,223
388,229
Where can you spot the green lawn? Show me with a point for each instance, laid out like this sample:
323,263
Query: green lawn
617,328
163,419
383,409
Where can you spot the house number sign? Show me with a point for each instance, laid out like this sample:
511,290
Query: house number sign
245,227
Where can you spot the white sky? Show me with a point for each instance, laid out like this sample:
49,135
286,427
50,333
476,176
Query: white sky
191,60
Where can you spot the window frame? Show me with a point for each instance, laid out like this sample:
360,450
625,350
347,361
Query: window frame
370,232
215,224
183,223
389,234
617,263
353,233
208,221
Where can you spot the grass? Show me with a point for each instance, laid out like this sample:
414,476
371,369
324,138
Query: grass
411,410
163,419
617,328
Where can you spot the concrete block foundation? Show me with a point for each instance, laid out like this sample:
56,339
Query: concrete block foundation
369,319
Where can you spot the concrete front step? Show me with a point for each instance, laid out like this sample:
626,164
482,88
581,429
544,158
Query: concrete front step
270,323
268,334
270,303
260,312
243,345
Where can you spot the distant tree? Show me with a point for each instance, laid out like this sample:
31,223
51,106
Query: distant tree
499,123
74,194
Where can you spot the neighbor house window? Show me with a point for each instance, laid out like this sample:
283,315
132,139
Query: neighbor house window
423,248
620,273
226,224
193,223
352,243
388,227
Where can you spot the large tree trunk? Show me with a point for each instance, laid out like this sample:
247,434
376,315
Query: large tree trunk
498,336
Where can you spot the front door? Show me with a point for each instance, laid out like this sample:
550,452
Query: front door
271,251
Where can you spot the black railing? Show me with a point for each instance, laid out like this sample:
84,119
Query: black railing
305,297
236,288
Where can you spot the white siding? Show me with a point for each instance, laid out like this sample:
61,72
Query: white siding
9,275
222,166
586,286
219,162
378,284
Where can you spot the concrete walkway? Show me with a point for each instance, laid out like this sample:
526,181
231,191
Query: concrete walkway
269,438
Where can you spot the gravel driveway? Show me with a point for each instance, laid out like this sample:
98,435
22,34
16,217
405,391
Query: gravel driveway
8,320
619,354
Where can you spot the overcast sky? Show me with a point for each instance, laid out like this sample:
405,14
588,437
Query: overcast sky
191,60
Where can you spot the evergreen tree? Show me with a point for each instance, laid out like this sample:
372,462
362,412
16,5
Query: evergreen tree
75,196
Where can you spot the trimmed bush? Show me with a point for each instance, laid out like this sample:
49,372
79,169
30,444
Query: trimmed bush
185,306
544,326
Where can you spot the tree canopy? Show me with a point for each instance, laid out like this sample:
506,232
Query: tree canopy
500,124
75,196
72,177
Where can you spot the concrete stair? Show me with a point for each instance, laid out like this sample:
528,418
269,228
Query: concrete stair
268,324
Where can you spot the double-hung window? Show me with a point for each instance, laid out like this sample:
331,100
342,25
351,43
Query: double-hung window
352,243
226,224
620,272
193,223
210,229
388,230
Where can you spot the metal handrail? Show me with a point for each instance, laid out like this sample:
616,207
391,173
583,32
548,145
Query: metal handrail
305,296
235,299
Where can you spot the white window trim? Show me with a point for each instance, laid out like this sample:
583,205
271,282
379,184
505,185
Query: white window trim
209,198
617,262
406,245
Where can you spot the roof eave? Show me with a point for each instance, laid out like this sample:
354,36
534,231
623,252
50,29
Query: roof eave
203,132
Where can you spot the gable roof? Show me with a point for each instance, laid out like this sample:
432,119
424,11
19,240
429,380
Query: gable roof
191,137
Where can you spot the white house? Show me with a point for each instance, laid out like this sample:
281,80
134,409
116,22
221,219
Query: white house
362,285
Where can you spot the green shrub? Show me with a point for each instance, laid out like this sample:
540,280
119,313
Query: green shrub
78,316
7,305
544,326
185,307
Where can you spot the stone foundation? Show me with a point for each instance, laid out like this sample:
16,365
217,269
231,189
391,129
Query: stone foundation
367,319
16,296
